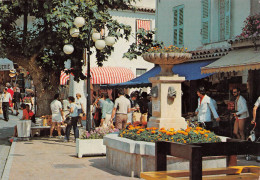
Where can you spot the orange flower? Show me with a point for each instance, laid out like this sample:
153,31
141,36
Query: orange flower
172,129
162,128
138,132
202,132
206,135
153,132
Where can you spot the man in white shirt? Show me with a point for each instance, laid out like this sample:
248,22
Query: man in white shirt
5,98
205,107
241,115
57,115
121,108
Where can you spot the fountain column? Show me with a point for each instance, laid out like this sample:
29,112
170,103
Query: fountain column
166,91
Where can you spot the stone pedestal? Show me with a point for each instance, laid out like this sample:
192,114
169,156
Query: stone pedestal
167,111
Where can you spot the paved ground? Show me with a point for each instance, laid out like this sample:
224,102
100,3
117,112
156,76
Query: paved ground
44,158
6,131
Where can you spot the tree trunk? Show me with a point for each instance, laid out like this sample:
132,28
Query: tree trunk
44,93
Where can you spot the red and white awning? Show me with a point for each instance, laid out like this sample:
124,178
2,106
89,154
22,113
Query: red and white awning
110,75
64,78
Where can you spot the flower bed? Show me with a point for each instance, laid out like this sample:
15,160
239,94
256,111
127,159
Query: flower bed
97,133
190,135
91,143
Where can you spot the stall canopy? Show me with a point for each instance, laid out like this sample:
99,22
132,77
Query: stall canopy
191,71
64,78
236,60
110,75
6,64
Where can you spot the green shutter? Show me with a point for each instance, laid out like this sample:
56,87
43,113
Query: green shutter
227,19
178,25
205,19
175,26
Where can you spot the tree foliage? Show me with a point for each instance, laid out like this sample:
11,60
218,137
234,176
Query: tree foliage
33,33
145,41
52,20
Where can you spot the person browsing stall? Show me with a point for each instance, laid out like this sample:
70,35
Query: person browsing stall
241,114
107,109
205,107
121,108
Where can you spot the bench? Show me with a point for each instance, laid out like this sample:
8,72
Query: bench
37,129
195,152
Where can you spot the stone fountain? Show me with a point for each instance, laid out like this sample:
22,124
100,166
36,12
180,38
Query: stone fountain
166,91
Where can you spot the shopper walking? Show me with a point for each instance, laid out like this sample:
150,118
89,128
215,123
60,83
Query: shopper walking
79,103
107,109
57,115
17,98
241,114
6,98
73,113
204,109
10,90
121,108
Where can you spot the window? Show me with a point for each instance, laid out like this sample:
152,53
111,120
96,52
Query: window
205,19
139,72
224,19
178,25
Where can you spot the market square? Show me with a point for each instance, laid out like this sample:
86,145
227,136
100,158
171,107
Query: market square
108,90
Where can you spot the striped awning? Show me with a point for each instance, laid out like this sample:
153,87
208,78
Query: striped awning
64,78
110,75
235,60
145,24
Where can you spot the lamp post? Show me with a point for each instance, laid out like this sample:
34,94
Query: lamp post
99,44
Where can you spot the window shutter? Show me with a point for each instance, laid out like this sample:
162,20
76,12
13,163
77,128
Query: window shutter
178,25
227,19
205,14
175,27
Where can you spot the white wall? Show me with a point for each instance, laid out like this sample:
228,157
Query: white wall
121,46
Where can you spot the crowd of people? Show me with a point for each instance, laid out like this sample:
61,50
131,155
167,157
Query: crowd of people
117,112
120,111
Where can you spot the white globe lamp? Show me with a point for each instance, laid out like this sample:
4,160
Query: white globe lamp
68,49
95,36
74,32
100,44
79,22
110,40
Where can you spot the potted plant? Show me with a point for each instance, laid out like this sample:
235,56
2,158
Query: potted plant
167,57
91,143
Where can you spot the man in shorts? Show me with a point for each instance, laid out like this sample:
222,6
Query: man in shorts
57,115
121,108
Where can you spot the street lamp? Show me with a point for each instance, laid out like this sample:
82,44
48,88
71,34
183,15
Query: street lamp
99,44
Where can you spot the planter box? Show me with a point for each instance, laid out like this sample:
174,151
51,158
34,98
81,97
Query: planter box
90,147
130,157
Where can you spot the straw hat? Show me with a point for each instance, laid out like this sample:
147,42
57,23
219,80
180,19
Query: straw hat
12,75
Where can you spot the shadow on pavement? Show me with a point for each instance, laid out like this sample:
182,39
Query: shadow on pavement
100,163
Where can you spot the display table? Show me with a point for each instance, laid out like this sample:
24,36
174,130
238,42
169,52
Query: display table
37,129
